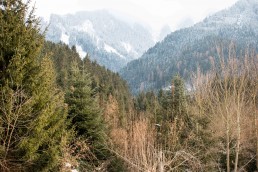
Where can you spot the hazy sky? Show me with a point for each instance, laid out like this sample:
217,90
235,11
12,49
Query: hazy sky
156,13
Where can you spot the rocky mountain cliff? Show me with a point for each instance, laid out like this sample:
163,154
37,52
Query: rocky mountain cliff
108,40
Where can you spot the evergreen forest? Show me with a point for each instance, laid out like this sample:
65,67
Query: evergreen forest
59,112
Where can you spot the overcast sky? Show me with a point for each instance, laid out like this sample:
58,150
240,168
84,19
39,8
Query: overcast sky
156,13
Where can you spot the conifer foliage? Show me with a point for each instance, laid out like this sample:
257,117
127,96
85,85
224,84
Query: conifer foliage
179,103
83,111
32,109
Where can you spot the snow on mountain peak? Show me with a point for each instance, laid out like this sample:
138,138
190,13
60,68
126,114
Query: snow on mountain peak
243,13
248,7
86,26
108,40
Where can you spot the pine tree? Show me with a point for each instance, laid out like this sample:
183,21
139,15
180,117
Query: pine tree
83,110
20,44
179,103
180,114
32,109
48,130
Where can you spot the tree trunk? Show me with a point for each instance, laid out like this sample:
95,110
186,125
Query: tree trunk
238,140
228,147
256,133
160,162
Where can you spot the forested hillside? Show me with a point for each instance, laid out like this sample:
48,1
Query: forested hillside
104,83
59,112
185,49
52,102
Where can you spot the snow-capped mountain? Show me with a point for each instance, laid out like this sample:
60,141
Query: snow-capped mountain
182,50
108,40
243,14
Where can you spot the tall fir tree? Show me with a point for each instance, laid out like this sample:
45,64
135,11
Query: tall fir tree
179,103
32,109
48,130
84,111
180,114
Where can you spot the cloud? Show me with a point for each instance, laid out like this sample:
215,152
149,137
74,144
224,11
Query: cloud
186,22
157,13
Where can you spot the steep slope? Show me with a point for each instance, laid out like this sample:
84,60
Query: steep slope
105,82
109,41
182,50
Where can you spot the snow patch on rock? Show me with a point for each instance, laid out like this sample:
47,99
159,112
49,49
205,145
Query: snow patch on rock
127,47
86,27
65,38
80,51
110,49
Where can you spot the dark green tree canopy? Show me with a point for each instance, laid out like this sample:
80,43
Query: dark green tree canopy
84,111
32,109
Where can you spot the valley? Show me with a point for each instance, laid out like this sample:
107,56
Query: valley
93,89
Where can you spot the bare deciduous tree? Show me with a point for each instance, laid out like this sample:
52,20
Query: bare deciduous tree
226,94
14,110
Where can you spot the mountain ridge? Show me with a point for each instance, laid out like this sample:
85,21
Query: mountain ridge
154,69
108,40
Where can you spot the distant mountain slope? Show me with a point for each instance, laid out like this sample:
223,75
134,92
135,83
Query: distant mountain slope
182,50
108,40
